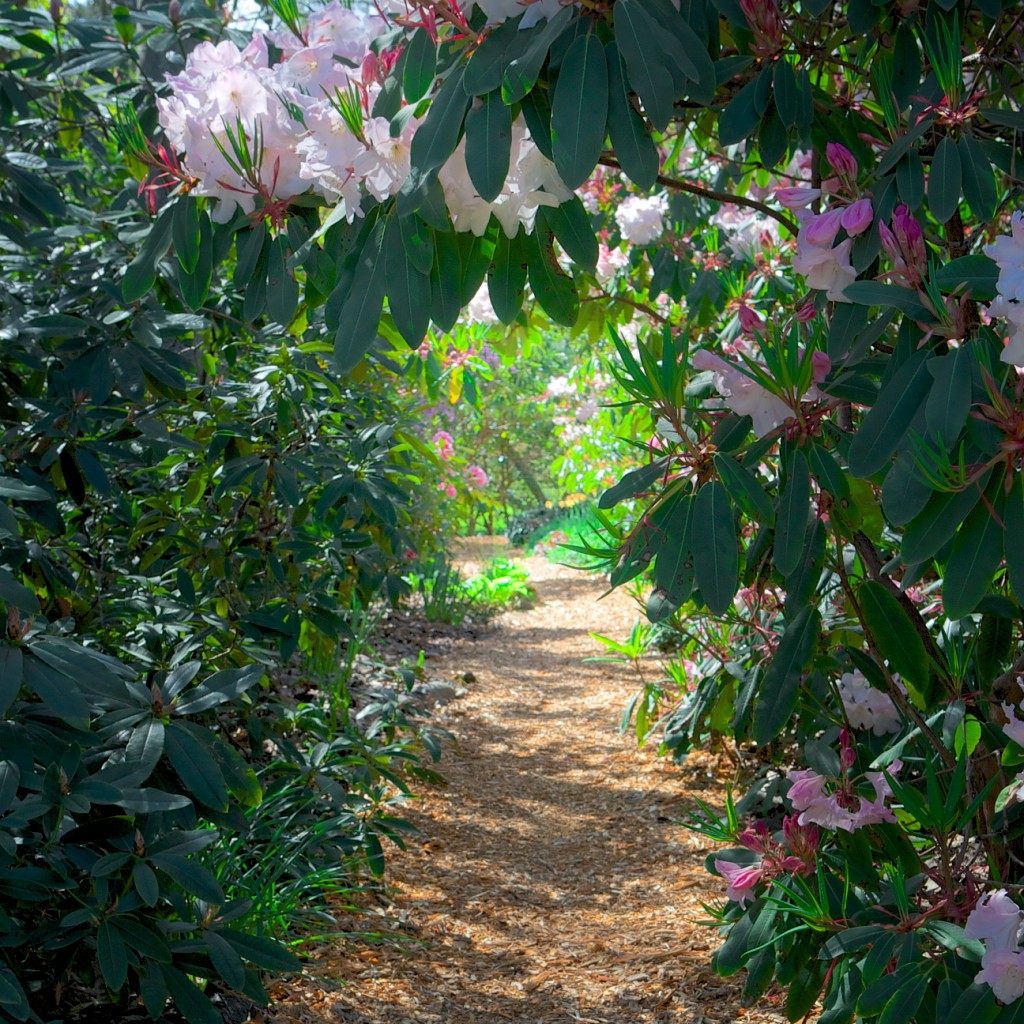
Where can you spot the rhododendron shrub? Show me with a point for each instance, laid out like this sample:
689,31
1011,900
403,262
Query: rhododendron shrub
799,220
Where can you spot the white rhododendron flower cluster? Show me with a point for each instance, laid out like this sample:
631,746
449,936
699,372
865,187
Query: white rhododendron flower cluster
252,132
1008,252
532,182
868,708
641,219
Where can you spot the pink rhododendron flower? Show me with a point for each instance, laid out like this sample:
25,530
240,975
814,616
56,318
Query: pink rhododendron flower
750,321
742,395
820,229
996,920
842,161
827,268
842,808
610,262
797,198
1003,971
857,217
741,879
477,477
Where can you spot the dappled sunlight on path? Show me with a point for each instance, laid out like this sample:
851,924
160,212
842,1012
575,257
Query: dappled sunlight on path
548,882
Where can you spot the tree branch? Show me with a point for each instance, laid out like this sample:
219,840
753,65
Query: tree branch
681,185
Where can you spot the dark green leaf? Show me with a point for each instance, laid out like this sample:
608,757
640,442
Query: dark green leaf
944,181
631,141
502,45
976,275
488,144
944,512
194,1006
359,317
745,489
978,179
195,765
716,557
904,492
521,73
408,291
579,110
802,582
190,875
949,400
636,481
570,223
506,278
185,232
261,952
282,290
195,284
1013,518
875,293
885,425
794,511
553,288
977,552
893,634
903,1005
420,63
436,138
739,120
779,689
645,64
787,98
112,955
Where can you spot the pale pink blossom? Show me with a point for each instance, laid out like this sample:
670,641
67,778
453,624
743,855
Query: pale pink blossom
797,198
1003,971
996,920
858,216
741,879
743,395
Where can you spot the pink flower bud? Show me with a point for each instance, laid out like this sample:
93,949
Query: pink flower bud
888,240
820,364
796,198
57,11
806,313
750,321
370,70
821,230
847,753
843,162
858,217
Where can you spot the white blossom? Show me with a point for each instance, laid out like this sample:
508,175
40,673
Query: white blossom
641,219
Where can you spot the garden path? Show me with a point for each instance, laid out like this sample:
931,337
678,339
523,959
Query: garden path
548,883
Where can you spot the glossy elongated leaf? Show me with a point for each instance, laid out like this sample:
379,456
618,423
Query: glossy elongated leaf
910,180
488,144
887,422
636,481
282,289
794,511
634,148
732,954
506,277
195,283
58,691
740,118
186,233
500,47
904,492
11,675
875,293
147,941
195,1007
112,955
520,75
190,875
647,73
1013,518
877,995
259,951
979,183
976,1005
536,111
745,490
446,283
221,687
570,224
579,109
420,64
787,98
140,275
944,512
408,291
949,400
716,557
894,635
13,592
195,765
827,473
144,749
674,569
977,552
945,180
418,241
225,958
904,1004
779,690
802,582
436,138
975,275
359,316
553,288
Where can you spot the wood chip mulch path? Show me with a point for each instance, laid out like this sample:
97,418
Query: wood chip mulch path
549,882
